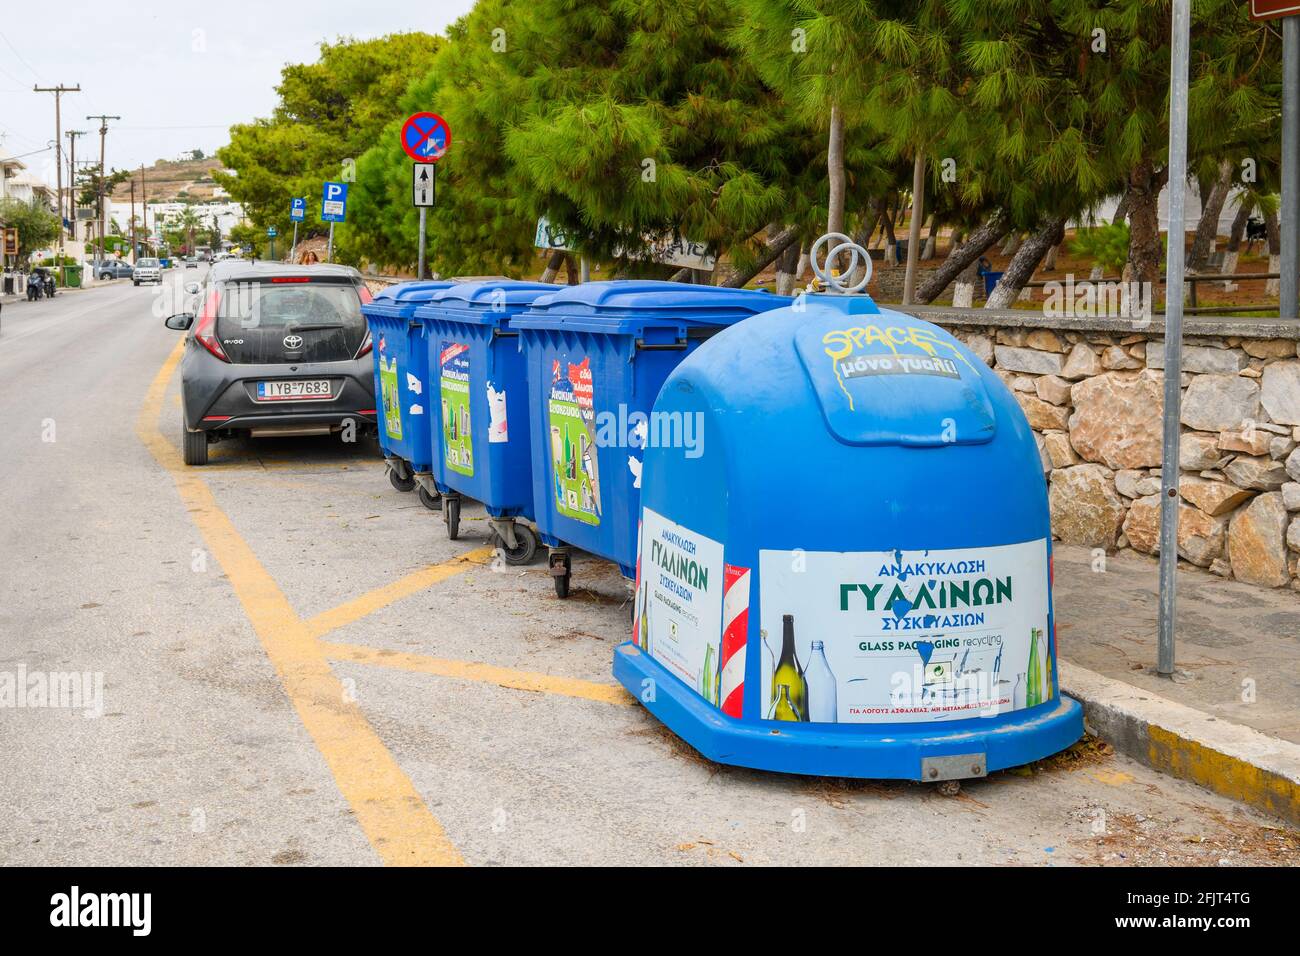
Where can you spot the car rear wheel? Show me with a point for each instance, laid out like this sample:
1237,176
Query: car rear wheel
195,447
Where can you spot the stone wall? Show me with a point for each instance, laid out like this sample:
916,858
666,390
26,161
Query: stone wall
1092,390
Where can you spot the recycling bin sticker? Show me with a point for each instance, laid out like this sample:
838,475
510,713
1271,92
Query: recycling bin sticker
904,636
575,465
453,377
389,398
679,602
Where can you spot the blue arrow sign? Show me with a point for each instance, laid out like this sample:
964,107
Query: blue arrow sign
334,202
298,210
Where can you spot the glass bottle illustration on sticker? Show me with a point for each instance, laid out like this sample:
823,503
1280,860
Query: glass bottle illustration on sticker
645,619
1038,687
782,709
819,681
789,675
707,681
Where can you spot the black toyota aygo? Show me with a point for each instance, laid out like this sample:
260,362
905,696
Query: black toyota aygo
274,350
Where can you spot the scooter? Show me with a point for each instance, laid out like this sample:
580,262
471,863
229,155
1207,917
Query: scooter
49,286
35,288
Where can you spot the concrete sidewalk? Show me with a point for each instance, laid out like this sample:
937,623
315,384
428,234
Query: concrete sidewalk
1230,718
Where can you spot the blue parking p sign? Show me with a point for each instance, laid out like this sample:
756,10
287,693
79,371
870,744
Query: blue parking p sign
298,210
334,202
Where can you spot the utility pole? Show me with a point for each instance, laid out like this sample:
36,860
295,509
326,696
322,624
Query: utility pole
58,92
144,209
72,135
135,249
103,175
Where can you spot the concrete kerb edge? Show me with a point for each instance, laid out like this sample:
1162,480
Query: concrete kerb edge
1235,761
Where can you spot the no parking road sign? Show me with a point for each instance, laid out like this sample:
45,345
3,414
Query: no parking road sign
334,202
425,137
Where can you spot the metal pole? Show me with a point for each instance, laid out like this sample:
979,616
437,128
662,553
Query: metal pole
1290,211
1173,333
424,216
293,250
329,250
272,249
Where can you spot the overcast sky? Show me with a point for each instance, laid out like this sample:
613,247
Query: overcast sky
179,74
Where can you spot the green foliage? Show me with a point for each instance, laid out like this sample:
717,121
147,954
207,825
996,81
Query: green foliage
37,226
1106,246
328,114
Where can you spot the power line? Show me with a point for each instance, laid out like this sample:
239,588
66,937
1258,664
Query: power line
20,57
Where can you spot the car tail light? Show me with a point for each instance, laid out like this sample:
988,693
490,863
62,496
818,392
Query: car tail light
364,292
278,279
205,328
366,345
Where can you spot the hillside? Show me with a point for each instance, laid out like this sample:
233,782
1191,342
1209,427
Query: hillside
167,181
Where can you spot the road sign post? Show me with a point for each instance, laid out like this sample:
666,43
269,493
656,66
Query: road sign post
297,212
424,181
425,138
333,208
271,233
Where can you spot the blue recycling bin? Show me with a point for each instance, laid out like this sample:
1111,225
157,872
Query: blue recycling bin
479,403
596,356
854,578
402,382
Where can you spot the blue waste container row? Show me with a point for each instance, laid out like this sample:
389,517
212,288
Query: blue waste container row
535,399
401,380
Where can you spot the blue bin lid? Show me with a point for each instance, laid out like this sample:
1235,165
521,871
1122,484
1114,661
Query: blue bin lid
628,306
489,302
400,301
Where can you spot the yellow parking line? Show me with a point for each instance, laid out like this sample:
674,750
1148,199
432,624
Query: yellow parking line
475,671
385,802
413,583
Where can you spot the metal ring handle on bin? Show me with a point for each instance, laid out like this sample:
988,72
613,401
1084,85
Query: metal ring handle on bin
835,283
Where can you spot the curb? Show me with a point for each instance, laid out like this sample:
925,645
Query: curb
1234,761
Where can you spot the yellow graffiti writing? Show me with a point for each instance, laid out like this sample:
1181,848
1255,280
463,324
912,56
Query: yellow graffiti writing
841,343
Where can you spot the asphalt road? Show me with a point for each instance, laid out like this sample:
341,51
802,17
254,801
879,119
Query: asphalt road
298,667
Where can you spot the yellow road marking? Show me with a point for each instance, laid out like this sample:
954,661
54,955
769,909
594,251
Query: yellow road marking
476,671
385,802
413,583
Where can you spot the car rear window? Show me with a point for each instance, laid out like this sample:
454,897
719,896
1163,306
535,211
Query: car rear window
147,263
290,321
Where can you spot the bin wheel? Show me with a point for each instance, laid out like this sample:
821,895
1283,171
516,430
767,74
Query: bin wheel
562,586
561,568
400,483
195,447
432,502
451,512
949,788
525,548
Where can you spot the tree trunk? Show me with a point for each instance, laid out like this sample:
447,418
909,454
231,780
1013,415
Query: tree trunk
786,264
1011,245
1021,268
963,255
963,293
835,171
1143,197
1239,224
1208,227
931,239
891,241
773,248
1049,263
571,274
914,228
1121,211
553,266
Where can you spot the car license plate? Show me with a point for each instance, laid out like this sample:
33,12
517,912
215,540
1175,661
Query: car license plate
294,391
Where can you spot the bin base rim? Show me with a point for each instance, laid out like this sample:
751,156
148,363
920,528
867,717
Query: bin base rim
873,751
